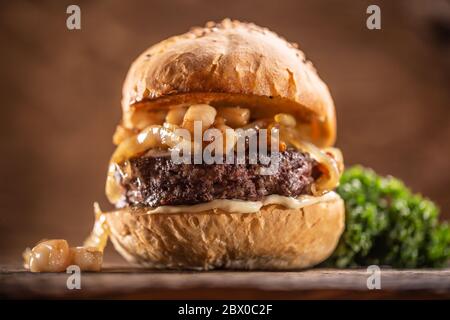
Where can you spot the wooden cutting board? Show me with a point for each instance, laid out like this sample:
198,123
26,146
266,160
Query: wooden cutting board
124,282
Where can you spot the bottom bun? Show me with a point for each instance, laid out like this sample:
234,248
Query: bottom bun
273,238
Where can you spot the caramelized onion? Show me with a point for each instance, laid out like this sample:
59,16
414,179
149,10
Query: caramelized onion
100,232
235,117
286,120
148,138
336,154
330,177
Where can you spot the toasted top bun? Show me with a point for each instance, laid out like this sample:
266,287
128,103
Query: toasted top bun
273,238
232,63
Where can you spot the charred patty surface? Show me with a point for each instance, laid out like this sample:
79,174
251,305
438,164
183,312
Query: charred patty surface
156,180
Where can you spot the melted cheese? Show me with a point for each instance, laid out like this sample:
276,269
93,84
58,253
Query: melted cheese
241,206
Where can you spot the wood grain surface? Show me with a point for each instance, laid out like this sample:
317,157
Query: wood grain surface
119,282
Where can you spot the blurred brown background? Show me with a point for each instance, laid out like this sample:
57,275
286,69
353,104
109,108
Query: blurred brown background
61,94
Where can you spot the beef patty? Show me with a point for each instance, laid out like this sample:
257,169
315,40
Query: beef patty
156,180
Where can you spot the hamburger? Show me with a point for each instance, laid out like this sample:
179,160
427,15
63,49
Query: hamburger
232,77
